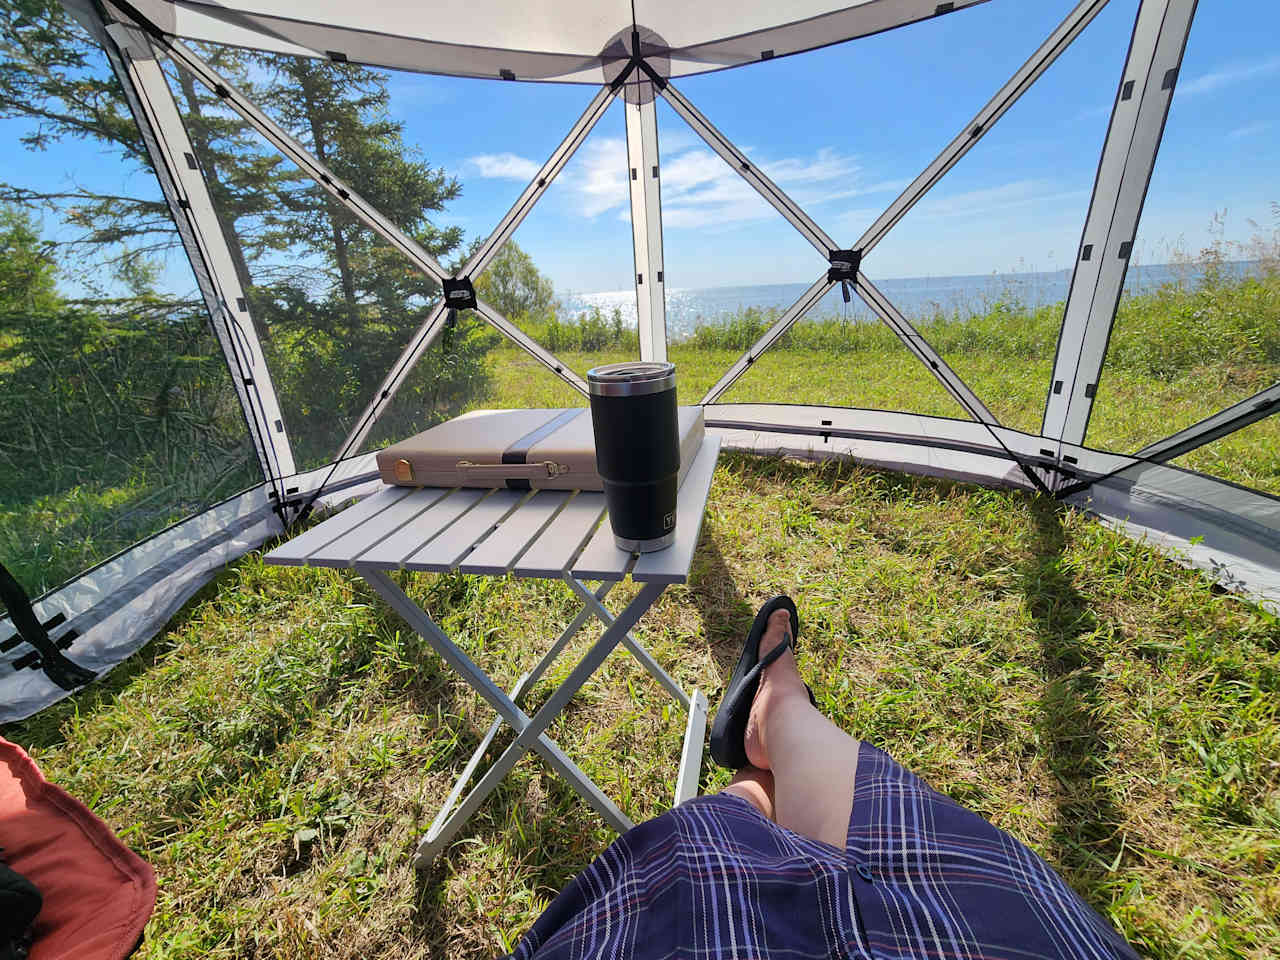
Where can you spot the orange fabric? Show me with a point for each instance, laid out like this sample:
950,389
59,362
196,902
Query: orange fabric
98,894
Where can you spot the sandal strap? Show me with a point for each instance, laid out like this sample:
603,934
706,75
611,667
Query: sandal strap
787,643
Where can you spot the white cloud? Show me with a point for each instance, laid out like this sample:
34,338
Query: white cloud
1248,130
700,190
1227,76
504,166
597,176
673,139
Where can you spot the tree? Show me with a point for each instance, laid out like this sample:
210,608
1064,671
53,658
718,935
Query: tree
243,175
28,274
513,284
53,75
345,302
333,304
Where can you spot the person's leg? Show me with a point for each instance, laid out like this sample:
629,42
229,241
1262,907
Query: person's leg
755,786
813,761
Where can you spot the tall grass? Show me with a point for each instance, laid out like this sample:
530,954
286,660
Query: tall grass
1220,319
586,332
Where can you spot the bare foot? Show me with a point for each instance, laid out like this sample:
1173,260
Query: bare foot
779,681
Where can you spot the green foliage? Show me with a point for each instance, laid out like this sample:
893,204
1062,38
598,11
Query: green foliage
1221,319
733,331
117,415
28,274
454,376
334,304
513,284
116,418
53,75
588,332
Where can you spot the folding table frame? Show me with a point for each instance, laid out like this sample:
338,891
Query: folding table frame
543,534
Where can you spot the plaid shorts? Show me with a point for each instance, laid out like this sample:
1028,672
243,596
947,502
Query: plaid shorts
921,876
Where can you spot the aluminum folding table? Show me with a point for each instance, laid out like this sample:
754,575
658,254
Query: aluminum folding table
543,534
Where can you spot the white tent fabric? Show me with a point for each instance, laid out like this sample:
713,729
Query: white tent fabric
564,40
1230,532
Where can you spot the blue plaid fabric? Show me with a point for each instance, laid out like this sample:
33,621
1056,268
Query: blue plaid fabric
921,877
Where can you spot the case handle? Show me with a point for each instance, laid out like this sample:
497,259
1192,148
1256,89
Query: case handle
514,471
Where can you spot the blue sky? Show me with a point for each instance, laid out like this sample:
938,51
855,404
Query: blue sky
843,130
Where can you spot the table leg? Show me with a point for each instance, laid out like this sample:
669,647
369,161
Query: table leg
589,664
695,733
569,633
639,652
529,730
523,684
695,705
414,616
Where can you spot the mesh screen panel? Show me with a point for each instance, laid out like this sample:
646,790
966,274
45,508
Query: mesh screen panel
1199,326
117,412
470,367
334,304
582,307
1007,218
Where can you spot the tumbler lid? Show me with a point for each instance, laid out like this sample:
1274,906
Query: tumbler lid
631,378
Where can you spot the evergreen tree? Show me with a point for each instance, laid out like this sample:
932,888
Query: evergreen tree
53,75
344,301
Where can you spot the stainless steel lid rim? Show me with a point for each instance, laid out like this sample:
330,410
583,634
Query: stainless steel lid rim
631,378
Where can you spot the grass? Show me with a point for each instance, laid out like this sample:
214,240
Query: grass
1176,355
277,750
1132,410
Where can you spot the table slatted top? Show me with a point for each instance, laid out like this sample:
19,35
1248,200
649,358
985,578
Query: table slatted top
542,533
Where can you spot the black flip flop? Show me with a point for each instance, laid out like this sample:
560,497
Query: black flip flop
730,725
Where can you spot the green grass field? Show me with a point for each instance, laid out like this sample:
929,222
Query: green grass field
1131,412
278,749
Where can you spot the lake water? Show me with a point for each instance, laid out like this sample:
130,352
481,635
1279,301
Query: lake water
915,296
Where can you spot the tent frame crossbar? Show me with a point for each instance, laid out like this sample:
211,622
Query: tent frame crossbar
1261,405
1022,80
1124,172
752,174
843,267
541,181
1138,116
894,319
1009,94
282,140
803,303
133,60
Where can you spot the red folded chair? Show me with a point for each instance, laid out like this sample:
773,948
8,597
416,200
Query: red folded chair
98,894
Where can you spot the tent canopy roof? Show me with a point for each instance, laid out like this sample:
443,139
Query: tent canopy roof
564,40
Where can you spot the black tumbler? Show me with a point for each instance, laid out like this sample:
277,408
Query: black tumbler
637,431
